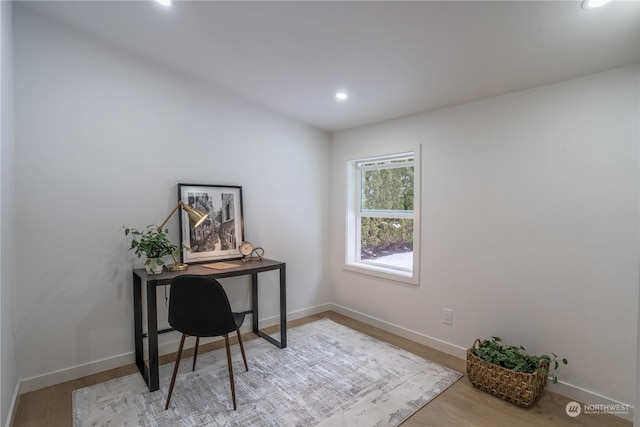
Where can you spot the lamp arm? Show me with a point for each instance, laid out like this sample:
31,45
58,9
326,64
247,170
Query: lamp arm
180,203
175,260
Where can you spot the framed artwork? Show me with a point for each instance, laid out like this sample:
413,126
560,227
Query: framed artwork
219,236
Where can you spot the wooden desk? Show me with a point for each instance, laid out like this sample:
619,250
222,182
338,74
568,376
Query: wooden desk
150,372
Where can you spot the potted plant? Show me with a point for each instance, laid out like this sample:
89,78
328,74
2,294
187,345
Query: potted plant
153,244
507,372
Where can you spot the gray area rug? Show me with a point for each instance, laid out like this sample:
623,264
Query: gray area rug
329,375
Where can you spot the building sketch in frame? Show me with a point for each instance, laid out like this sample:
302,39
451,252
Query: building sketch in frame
219,236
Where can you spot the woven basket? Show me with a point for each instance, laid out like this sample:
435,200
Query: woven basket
519,388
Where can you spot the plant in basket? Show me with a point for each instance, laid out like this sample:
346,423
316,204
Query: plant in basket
509,373
511,357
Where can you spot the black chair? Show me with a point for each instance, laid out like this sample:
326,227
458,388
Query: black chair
199,307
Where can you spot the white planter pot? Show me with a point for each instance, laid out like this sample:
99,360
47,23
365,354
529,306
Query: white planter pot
153,267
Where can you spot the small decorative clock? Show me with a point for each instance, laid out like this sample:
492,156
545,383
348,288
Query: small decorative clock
249,253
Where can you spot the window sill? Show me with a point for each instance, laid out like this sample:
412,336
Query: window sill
383,272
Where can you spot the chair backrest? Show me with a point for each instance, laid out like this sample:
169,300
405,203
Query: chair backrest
198,306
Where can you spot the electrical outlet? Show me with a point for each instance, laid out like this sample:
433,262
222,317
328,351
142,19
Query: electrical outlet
447,316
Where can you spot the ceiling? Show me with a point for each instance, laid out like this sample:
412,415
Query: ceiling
393,58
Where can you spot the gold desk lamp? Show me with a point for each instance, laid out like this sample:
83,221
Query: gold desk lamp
196,217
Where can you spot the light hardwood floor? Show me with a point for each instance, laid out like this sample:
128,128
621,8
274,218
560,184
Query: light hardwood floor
459,405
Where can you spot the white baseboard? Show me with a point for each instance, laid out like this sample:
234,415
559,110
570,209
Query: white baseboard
589,398
11,414
75,372
79,371
578,394
172,346
418,337
309,311
57,377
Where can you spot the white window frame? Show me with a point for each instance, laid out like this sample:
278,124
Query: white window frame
352,243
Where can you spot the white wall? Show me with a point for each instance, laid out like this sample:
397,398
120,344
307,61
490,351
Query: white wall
8,371
530,208
102,139
530,228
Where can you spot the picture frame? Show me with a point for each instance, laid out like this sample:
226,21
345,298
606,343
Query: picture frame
218,238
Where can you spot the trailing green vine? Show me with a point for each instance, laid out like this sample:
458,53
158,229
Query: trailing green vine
512,357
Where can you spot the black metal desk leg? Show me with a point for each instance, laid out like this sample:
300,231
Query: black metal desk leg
137,322
152,325
283,310
254,302
283,307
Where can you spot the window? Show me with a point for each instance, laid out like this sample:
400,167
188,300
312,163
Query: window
383,221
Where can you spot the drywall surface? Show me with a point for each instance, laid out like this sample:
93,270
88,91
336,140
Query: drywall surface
529,227
102,140
8,371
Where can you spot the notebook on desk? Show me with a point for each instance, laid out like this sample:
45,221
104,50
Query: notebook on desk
219,265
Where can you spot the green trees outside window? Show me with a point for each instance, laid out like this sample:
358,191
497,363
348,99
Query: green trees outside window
387,197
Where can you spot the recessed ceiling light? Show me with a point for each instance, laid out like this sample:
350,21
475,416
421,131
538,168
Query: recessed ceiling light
341,96
592,4
166,3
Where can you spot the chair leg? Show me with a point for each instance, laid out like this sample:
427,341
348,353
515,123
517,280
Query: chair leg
195,353
244,357
175,372
231,381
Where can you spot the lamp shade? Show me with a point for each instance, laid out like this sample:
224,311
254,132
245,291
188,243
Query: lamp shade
196,216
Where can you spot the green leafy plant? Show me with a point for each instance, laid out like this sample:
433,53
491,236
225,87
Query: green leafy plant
151,243
512,357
